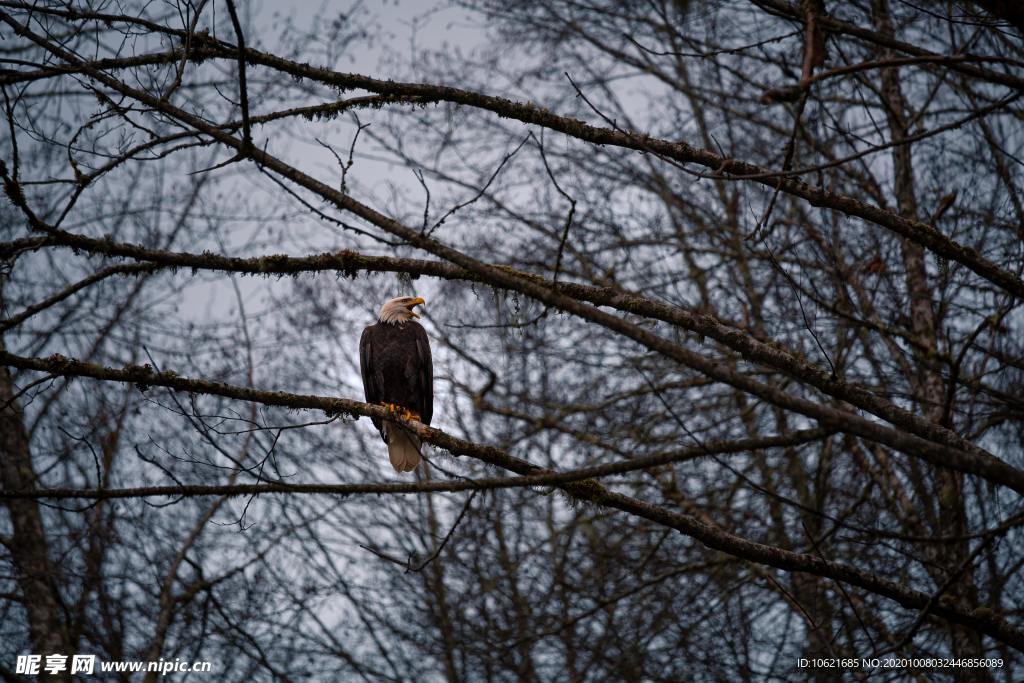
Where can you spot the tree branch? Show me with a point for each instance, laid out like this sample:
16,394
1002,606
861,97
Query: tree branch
769,353
917,231
586,490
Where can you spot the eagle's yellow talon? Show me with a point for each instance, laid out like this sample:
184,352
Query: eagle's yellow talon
402,412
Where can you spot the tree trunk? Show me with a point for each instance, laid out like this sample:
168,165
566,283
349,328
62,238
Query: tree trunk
36,574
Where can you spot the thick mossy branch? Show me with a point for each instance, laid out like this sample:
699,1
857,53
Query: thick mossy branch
769,353
578,484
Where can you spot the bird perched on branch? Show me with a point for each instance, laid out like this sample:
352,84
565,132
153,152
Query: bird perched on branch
394,358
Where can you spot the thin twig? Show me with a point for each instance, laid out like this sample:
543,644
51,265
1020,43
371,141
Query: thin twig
242,89
481,192
572,207
444,541
786,161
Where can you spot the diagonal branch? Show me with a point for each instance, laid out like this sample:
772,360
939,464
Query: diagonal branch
929,441
917,231
124,269
586,490
768,353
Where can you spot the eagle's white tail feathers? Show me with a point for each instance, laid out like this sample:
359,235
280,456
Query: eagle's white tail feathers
403,447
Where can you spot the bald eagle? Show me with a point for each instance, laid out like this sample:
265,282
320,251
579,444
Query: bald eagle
394,358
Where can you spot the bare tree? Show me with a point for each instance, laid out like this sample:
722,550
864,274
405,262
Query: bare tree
725,305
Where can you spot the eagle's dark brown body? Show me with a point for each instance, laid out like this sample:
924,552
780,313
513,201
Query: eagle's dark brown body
396,366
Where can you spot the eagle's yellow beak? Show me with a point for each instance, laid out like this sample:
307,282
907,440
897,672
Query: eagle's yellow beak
415,302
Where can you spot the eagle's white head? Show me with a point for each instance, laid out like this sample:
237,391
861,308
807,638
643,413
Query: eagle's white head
399,310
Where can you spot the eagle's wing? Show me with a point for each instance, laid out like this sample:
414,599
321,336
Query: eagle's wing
371,391
425,372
